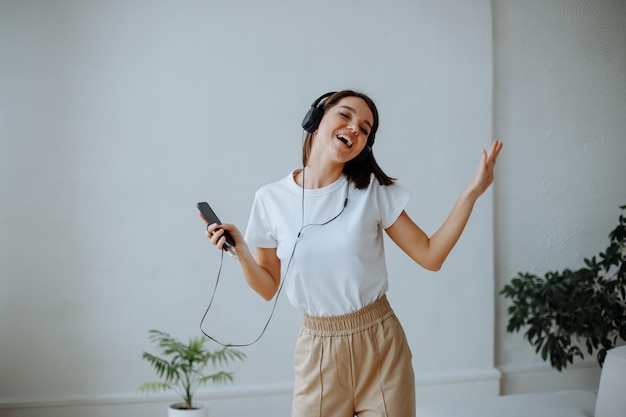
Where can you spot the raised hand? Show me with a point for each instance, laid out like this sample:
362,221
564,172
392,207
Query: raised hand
483,177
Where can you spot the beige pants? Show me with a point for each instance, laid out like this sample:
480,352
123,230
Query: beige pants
356,364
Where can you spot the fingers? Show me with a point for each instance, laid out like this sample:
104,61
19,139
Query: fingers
485,173
488,160
496,147
216,235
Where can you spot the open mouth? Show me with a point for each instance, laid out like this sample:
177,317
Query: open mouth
345,140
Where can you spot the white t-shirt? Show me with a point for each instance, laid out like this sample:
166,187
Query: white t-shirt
339,267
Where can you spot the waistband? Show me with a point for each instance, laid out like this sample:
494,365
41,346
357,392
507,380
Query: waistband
355,322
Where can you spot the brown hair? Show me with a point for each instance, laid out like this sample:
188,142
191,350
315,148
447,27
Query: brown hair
359,169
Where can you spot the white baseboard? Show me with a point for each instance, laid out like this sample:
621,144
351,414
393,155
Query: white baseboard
261,400
540,377
445,386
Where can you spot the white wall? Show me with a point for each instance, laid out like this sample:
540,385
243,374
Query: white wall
116,117
560,106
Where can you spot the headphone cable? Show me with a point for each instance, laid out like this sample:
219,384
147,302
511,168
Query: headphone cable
282,281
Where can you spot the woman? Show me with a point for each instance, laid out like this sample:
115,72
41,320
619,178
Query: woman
320,230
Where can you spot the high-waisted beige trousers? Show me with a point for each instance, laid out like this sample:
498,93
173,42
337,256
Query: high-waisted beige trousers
355,364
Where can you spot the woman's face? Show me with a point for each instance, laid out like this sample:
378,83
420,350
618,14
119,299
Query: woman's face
344,128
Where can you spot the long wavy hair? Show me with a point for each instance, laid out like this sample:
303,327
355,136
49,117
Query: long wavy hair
359,169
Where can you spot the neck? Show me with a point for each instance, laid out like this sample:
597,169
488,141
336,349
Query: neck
315,177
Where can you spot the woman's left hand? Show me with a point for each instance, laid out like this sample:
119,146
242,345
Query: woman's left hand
483,177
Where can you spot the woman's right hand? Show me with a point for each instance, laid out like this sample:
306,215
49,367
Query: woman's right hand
262,271
215,233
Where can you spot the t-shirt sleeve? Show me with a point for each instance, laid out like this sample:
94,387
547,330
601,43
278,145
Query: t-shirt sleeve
259,231
392,199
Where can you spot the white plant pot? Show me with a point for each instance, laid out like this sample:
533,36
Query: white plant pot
201,410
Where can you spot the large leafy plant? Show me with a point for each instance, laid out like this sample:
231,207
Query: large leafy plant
182,367
564,311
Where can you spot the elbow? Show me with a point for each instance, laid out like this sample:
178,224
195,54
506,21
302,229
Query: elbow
433,267
429,264
434,262
268,295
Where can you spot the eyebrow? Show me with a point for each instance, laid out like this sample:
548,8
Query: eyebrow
354,111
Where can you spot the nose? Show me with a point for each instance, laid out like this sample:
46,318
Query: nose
354,128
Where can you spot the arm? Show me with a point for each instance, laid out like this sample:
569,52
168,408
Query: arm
262,271
431,252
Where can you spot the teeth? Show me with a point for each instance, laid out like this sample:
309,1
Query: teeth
345,140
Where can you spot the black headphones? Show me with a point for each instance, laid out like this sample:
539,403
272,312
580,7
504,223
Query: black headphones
313,118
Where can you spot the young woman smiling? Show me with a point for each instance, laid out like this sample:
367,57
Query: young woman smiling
320,231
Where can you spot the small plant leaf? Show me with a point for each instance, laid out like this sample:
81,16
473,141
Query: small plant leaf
184,367
586,304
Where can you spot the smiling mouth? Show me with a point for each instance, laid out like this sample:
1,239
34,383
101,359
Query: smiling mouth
345,140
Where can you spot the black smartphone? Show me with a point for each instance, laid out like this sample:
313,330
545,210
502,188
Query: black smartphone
210,216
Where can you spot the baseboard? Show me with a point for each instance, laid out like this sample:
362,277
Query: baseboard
541,377
263,400
445,386
272,399
269,400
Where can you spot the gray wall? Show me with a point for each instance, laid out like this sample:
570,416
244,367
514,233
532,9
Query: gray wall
560,102
116,117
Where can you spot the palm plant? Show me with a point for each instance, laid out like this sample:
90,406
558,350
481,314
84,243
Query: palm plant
182,367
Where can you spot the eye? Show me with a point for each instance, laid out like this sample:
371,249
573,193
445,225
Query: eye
348,116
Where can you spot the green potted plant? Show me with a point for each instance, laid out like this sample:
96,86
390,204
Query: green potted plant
183,368
565,310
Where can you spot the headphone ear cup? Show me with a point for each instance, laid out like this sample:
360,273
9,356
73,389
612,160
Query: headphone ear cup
314,116
312,119
366,151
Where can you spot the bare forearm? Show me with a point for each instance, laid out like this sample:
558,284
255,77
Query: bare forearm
258,277
262,271
443,240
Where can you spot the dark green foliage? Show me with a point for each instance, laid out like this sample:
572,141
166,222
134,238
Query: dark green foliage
564,310
181,367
